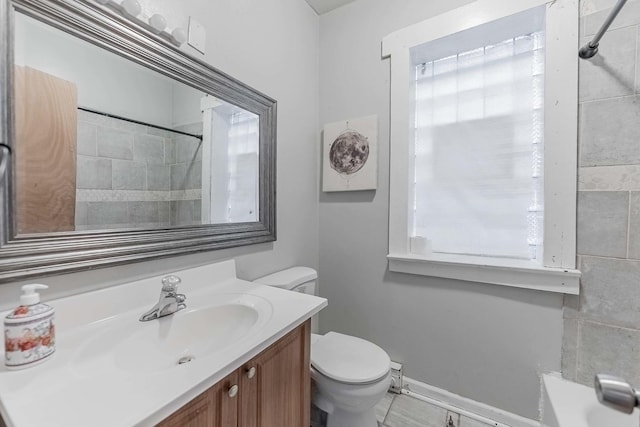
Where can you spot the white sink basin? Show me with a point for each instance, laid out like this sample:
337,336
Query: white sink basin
116,371
168,342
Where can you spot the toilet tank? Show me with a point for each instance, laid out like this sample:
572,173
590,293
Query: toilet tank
298,279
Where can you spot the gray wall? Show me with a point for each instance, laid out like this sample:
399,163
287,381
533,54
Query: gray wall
260,55
103,79
602,325
484,342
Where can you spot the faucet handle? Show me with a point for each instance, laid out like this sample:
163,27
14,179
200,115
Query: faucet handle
170,283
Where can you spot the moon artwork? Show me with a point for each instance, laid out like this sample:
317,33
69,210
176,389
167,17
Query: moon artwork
350,155
349,152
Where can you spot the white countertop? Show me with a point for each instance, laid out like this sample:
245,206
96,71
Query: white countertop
78,387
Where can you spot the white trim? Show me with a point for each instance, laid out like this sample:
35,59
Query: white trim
469,408
526,22
505,272
561,134
561,101
460,19
399,153
207,103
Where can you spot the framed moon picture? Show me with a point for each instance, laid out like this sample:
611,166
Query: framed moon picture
350,155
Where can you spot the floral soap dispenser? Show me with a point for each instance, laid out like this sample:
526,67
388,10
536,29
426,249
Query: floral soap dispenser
29,334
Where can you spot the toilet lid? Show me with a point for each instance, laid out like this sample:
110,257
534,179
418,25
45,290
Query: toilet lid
349,359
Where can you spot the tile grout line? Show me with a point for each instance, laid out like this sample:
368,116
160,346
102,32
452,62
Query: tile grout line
635,62
608,325
617,258
578,332
628,222
384,419
609,98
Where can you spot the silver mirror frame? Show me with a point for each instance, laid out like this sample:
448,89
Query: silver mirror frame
54,253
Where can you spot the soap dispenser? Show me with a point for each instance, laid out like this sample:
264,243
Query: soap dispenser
29,333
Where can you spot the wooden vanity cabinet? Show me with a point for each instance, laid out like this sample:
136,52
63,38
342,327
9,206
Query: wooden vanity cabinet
271,390
215,407
275,388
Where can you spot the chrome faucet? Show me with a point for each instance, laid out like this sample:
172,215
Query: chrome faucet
616,393
170,301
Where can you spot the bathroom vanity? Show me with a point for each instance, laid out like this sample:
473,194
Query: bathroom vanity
272,389
238,354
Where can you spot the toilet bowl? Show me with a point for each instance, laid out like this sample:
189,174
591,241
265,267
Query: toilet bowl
349,375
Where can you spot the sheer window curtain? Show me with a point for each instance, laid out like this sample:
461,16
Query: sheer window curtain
478,151
243,167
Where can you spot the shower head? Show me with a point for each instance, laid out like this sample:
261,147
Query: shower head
615,393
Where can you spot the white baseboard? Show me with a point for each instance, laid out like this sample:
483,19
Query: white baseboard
464,406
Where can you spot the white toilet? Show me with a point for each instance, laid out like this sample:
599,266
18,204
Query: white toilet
350,375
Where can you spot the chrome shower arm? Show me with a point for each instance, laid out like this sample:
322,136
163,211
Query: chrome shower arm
590,49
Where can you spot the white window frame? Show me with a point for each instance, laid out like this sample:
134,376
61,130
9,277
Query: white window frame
558,270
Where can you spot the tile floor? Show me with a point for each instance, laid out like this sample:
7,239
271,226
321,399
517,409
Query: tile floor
399,410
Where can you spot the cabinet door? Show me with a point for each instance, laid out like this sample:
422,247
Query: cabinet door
199,412
271,390
248,415
226,395
279,394
216,407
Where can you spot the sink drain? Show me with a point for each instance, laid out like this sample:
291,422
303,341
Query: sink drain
185,359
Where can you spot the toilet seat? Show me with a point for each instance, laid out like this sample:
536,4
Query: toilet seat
348,359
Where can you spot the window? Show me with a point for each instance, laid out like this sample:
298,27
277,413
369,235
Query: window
231,142
483,145
242,189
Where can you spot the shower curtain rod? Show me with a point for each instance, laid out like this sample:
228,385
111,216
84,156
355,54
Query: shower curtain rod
590,49
139,122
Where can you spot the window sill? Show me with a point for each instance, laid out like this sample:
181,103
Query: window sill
515,273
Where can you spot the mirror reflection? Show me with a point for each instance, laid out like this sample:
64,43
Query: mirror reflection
103,143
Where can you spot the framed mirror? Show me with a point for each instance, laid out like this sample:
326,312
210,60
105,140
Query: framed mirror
123,148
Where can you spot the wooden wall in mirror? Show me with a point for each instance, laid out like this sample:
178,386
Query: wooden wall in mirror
123,147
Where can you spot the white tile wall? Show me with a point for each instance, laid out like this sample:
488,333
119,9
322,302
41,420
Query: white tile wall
131,175
602,325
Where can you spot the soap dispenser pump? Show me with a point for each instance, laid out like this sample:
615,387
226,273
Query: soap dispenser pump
29,333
